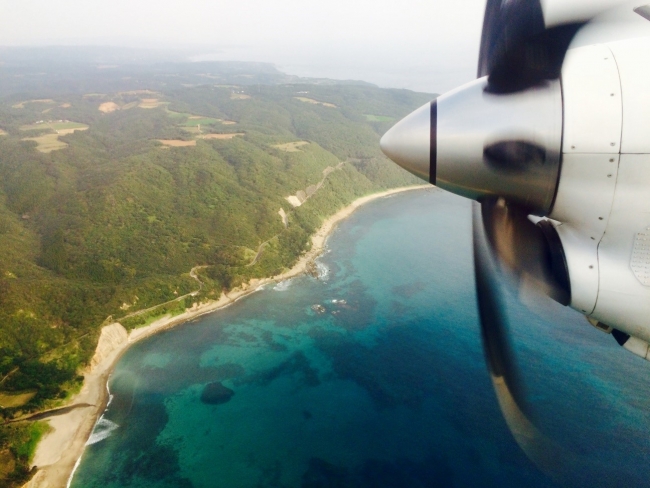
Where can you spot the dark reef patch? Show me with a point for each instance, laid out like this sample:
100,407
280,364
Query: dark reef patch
296,364
216,394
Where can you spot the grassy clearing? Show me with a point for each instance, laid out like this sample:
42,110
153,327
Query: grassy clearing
3,133
169,309
41,100
47,143
150,103
11,400
291,146
239,96
377,118
66,125
195,121
315,102
139,92
28,439
178,115
176,142
221,136
108,107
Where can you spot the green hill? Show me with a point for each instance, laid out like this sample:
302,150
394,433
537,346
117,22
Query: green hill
108,200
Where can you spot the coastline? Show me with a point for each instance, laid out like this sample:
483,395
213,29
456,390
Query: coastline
59,452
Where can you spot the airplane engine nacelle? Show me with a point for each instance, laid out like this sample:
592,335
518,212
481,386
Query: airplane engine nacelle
603,195
575,150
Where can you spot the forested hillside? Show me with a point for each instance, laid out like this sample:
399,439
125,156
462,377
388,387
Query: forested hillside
109,198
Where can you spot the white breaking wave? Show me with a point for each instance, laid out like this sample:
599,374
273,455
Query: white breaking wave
323,271
74,469
101,431
282,286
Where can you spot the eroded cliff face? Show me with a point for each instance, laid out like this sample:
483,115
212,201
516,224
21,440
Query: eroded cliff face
112,337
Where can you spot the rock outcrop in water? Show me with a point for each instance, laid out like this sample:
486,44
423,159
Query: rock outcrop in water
216,394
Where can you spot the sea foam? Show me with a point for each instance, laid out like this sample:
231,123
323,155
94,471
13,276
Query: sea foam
282,286
101,431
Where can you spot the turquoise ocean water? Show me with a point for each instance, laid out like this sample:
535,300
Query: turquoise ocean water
383,385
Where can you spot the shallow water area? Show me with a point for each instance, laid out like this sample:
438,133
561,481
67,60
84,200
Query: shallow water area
371,375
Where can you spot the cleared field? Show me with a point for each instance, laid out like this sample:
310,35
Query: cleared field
291,146
56,126
65,105
239,96
50,142
293,200
150,103
176,142
377,118
65,132
3,133
41,100
178,115
47,143
196,120
193,123
221,136
10,400
228,122
315,102
139,92
108,107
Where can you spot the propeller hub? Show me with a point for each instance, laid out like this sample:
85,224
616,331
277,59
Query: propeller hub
478,144
411,142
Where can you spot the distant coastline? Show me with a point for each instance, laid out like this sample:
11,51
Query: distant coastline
59,452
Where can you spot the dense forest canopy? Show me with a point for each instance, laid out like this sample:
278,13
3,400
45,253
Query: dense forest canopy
117,179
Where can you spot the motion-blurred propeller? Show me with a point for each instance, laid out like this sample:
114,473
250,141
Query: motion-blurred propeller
498,140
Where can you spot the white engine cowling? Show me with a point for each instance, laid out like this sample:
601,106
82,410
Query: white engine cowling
603,199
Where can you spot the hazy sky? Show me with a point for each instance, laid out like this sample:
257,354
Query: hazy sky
424,44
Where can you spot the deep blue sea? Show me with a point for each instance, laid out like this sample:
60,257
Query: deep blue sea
383,385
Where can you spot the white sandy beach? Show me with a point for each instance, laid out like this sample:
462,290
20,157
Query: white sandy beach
59,451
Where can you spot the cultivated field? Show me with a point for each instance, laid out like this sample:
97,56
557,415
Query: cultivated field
41,100
176,142
50,142
315,102
221,136
56,126
291,146
108,107
150,103
47,143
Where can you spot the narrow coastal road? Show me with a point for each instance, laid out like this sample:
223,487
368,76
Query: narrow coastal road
190,294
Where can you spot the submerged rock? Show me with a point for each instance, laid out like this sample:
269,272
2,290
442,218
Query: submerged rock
215,393
318,308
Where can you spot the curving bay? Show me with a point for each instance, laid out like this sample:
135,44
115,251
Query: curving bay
371,376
